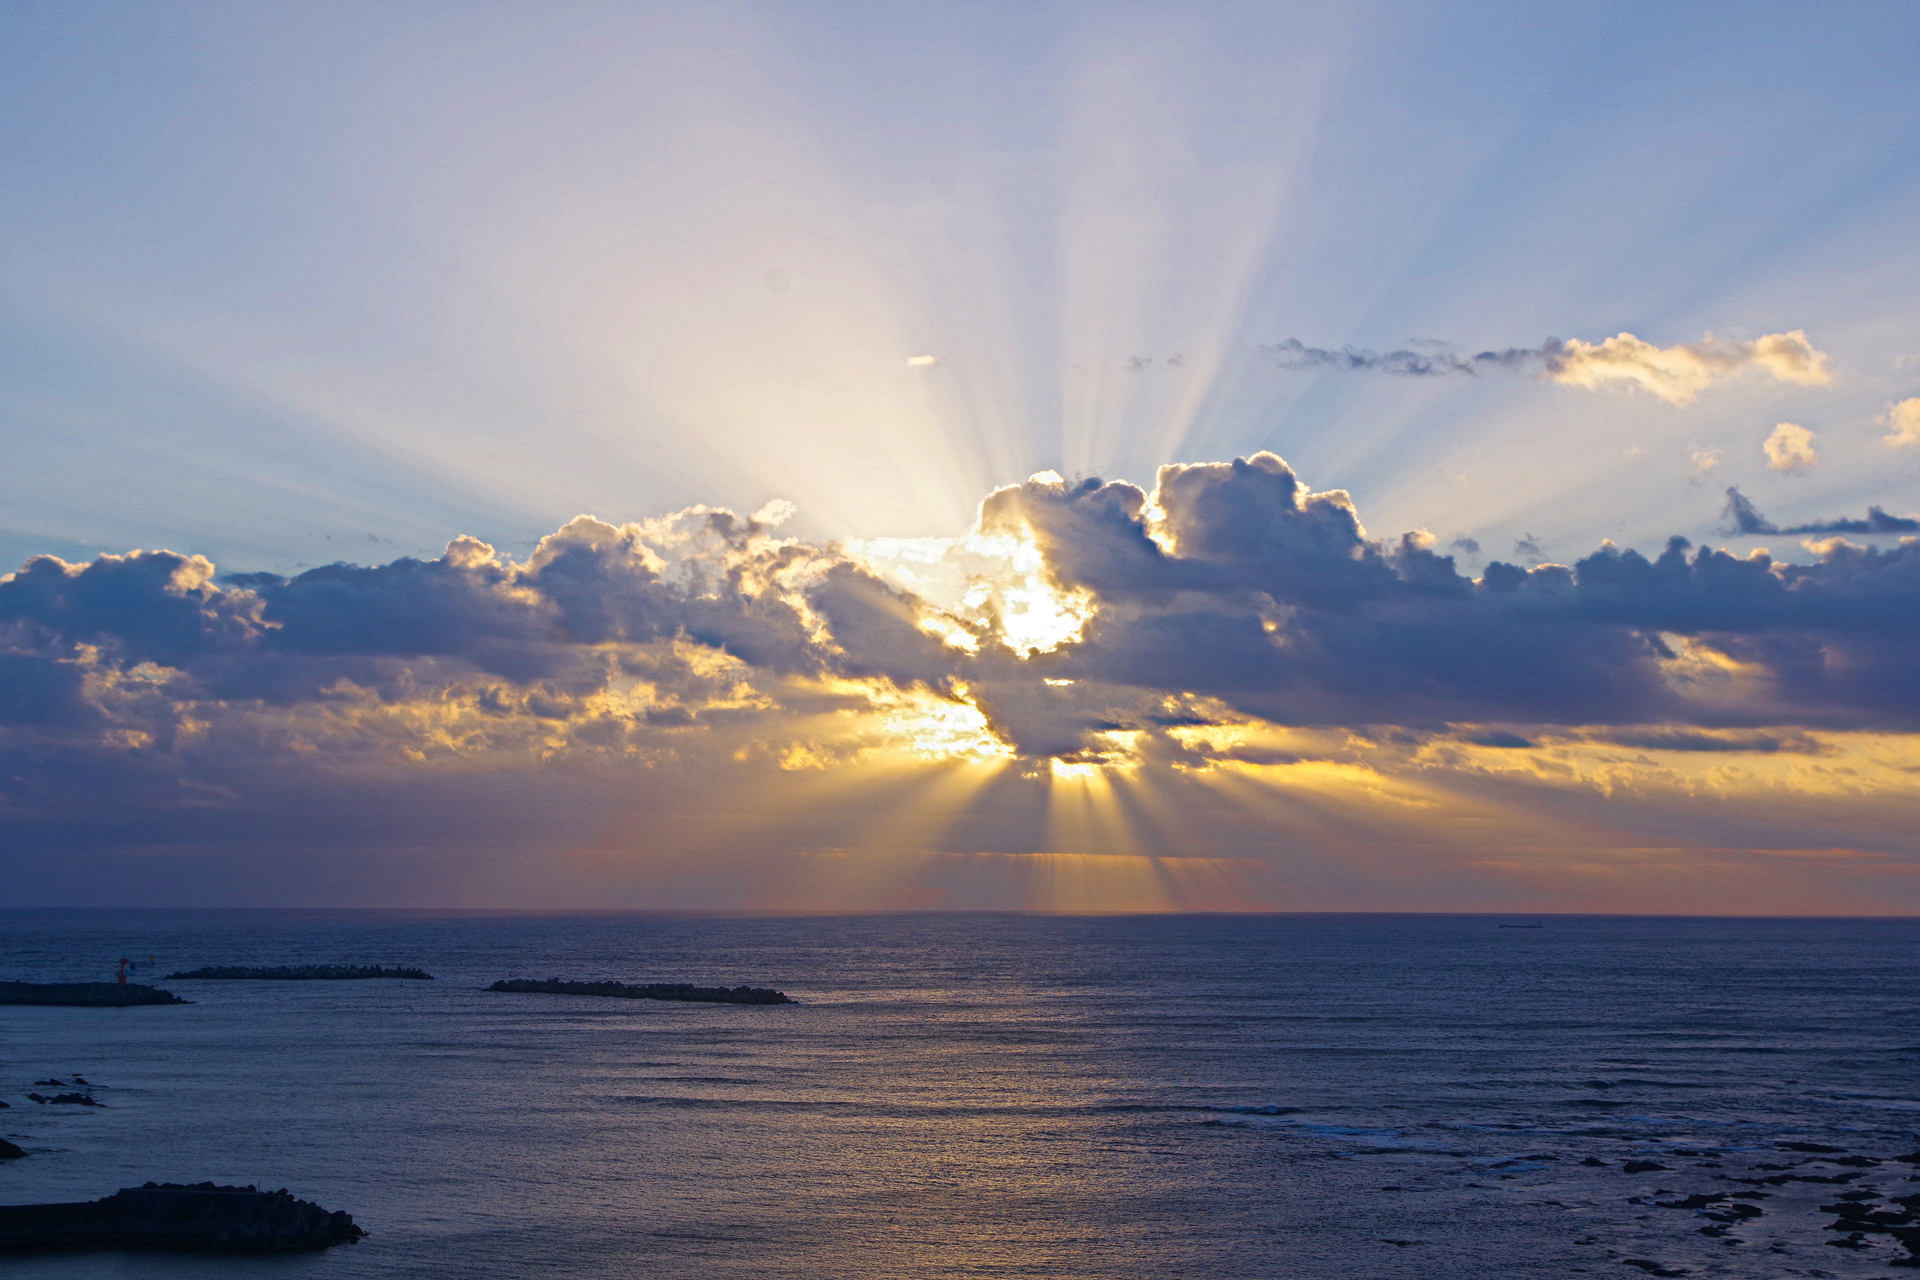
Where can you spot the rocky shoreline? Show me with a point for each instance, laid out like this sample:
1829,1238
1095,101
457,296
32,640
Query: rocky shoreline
643,991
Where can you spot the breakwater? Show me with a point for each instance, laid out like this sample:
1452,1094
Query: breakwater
301,972
643,991
95,995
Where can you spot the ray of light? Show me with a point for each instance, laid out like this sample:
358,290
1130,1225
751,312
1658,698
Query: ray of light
883,867
1083,815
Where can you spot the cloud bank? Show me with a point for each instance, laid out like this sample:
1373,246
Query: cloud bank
1677,374
694,666
1230,581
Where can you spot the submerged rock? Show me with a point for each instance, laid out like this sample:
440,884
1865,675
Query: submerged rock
301,972
173,1215
644,991
92,995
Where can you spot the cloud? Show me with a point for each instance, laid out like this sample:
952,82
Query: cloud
1703,461
1790,449
1745,518
1294,354
1233,581
696,669
922,362
1902,421
1677,374
1724,742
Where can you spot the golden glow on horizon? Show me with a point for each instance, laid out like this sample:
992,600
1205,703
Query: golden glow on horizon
1261,817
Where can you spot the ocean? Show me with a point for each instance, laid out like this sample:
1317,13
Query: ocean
1350,1096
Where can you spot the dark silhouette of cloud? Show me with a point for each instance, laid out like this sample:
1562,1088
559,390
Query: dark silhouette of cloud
1730,742
1295,354
1497,738
1745,518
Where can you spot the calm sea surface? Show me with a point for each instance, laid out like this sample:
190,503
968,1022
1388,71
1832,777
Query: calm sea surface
993,1095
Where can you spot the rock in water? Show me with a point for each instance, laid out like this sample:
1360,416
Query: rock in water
173,1215
92,995
644,991
10,1152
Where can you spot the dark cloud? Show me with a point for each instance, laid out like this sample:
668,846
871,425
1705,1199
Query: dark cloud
1497,738
1435,363
1253,590
1745,518
1732,742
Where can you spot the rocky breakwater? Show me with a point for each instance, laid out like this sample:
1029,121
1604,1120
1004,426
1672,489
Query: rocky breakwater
175,1216
643,991
93,995
301,972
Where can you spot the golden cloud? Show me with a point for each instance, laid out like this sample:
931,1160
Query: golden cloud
1678,374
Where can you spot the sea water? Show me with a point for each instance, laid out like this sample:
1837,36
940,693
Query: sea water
990,1095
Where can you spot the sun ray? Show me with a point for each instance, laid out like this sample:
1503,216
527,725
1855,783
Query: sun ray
883,866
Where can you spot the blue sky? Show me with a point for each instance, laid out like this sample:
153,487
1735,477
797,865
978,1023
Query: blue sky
295,286
287,284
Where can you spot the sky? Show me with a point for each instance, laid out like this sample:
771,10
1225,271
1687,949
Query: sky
843,457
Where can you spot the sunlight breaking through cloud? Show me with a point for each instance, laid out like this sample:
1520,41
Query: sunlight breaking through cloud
1115,684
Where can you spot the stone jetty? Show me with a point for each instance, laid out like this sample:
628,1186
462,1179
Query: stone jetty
172,1215
643,991
301,972
93,995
